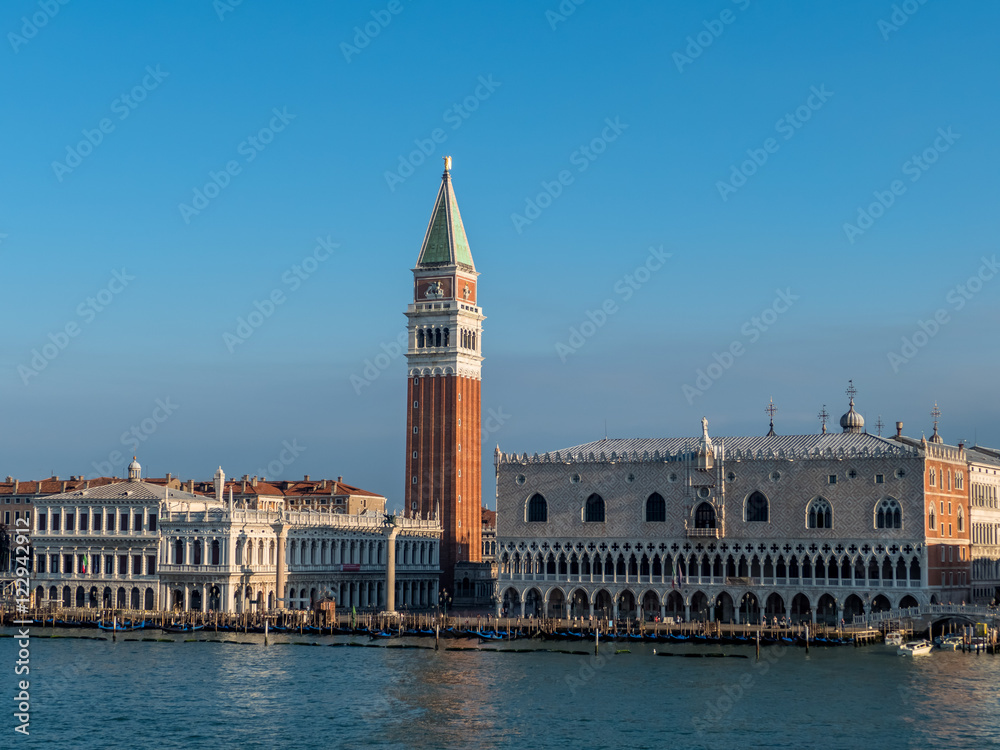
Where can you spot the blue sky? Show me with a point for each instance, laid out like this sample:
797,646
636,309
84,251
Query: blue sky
743,137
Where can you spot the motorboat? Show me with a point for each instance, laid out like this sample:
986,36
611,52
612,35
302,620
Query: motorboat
895,638
915,648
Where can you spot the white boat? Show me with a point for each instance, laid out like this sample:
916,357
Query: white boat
951,643
915,648
895,638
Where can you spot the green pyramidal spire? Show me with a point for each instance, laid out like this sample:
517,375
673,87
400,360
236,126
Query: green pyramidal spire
445,243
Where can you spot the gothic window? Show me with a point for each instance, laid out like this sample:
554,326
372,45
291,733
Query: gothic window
656,508
704,516
437,337
594,512
420,339
757,508
538,509
819,515
888,514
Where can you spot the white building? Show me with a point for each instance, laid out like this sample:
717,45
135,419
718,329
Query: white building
984,517
99,546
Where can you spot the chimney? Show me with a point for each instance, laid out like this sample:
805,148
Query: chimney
169,477
961,444
16,484
340,480
306,479
899,429
64,483
190,486
10,479
253,482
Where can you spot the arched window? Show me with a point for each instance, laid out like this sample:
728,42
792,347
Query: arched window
961,519
757,508
888,514
656,508
704,516
931,521
538,509
594,511
819,515
420,339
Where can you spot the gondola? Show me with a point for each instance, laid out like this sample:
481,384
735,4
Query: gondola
178,627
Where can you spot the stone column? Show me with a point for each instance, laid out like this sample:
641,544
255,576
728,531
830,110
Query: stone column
279,565
390,570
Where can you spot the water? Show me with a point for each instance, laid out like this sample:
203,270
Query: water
99,694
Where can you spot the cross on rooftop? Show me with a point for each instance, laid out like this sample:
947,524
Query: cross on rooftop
851,390
823,416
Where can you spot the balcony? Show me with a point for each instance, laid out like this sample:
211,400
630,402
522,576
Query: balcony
702,533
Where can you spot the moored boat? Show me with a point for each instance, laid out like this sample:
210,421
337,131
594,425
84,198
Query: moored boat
915,648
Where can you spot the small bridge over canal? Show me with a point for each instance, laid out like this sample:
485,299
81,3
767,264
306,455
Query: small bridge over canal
925,615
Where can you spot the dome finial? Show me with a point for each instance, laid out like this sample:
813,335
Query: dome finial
852,421
134,470
936,413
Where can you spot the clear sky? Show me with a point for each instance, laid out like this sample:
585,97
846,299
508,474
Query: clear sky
818,180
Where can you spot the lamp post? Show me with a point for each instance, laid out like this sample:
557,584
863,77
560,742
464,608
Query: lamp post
444,598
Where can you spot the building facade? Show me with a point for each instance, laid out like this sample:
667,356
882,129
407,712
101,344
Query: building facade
806,527
98,546
147,546
984,523
443,404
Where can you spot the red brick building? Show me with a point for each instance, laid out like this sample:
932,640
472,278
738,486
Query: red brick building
443,450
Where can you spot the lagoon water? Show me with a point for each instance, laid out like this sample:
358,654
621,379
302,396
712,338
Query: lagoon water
136,694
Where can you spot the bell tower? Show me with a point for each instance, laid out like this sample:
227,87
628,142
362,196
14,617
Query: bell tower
444,363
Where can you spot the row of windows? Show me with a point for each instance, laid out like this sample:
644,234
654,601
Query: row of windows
25,500
97,520
819,512
933,478
95,564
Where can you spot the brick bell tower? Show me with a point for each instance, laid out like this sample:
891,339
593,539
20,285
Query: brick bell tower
444,363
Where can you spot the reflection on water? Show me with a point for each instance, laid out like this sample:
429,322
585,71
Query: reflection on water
209,695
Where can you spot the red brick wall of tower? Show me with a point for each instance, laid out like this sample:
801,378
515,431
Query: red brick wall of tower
447,469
